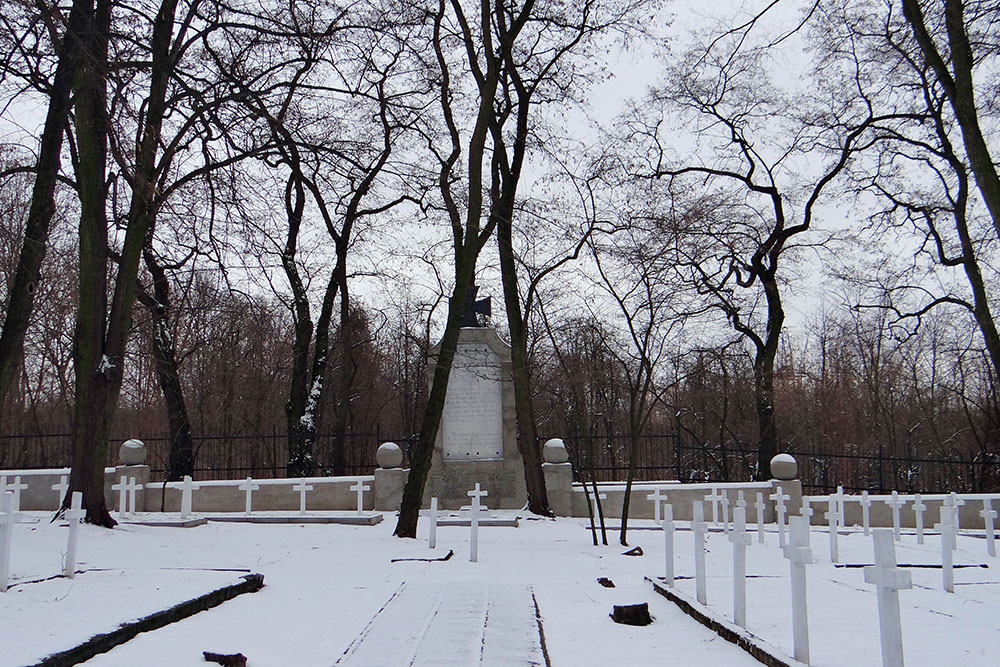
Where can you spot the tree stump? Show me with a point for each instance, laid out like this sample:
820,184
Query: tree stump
227,660
631,614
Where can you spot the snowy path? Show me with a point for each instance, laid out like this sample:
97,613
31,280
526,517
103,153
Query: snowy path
461,623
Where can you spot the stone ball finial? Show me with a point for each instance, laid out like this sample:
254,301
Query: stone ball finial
389,455
784,467
554,451
132,452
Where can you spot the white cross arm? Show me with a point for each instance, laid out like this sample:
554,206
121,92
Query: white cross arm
888,578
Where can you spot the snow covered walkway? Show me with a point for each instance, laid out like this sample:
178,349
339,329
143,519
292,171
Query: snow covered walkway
458,623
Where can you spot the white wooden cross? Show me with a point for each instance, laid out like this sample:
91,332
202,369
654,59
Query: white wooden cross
133,489
948,534
896,503
761,506
953,502
918,512
888,580
740,539
122,489
740,500
799,555
657,497
699,529
73,515
714,497
725,512
475,494
8,517
188,486
989,514
302,488
361,487
668,542
806,513
16,487
249,487
866,504
433,516
61,488
779,499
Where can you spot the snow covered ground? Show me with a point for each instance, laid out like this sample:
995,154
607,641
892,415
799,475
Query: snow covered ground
324,584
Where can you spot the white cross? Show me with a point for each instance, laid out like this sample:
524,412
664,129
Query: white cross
714,497
475,494
888,580
656,497
122,489
896,503
432,533
73,515
761,506
16,487
740,539
806,513
699,528
302,487
953,502
799,555
133,488
188,486
866,504
8,517
918,512
361,487
779,499
668,542
249,487
61,488
740,500
989,514
948,533
833,521
725,512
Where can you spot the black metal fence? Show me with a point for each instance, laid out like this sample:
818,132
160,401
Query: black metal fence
658,457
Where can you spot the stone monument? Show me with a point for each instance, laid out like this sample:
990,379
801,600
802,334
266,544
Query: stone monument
477,441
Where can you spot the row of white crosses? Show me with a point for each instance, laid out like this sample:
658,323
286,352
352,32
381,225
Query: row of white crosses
9,516
127,489
249,486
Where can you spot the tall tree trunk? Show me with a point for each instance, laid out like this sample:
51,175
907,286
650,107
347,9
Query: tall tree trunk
348,366
763,375
36,233
180,460
527,435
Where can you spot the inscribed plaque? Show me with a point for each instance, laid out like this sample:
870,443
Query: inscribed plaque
472,424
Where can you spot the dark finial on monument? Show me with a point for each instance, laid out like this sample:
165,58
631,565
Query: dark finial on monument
474,308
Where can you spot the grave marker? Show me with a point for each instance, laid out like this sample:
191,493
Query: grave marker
187,492
761,506
806,513
302,488
698,527
896,503
433,516
133,489
725,512
948,534
714,497
740,540
833,521
16,487
475,494
888,580
799,555
249,487
73,514
61,488
918,512
361,487
989,514
668,542
953,502
122,489
779,499
7,519
866,504
656,497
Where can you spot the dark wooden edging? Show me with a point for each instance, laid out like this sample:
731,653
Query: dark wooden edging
105,642
762,651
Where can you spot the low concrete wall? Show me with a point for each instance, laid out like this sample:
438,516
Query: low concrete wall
328,493
682,496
